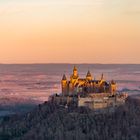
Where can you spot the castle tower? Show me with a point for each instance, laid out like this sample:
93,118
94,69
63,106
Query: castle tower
113,87
64,85
88,76
73,80
74,77
75,72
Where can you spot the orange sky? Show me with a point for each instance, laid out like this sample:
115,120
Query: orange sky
70,31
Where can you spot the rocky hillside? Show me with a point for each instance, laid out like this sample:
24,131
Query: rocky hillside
51,122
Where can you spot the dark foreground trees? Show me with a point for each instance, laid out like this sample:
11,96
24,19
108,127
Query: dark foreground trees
52,122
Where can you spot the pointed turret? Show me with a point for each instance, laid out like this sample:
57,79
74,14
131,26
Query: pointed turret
113,87
74,69
75,72
89,76
64,77
88,73
64,85
102,77
113,82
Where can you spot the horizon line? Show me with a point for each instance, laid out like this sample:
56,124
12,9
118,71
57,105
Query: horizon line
69,63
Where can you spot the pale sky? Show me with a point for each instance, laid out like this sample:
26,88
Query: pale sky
70,31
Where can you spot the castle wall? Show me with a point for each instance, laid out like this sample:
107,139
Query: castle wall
100,102
82,101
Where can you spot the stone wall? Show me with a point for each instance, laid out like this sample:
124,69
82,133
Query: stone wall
100,102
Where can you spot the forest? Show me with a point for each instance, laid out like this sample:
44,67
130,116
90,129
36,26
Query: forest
52,122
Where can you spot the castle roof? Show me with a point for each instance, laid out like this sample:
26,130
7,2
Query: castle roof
113,82
74,69
81,79
102,76
64,77
88,74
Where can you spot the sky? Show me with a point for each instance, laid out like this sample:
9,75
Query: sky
70,31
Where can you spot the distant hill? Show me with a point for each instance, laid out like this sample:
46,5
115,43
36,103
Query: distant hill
52,122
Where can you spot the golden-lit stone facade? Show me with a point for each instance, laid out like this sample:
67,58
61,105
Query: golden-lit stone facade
77,85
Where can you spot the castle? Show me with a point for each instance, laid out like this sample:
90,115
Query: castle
88,92
77,85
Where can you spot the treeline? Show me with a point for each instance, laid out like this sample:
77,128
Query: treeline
52,122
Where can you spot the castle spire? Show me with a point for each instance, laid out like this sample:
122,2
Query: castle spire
75,72
102,76
64,77
89,76
74,69
113,82
88,73
64,85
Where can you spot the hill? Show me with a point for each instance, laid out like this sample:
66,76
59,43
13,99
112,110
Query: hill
52,122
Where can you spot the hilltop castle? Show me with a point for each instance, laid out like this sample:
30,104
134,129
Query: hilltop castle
77,85
88,92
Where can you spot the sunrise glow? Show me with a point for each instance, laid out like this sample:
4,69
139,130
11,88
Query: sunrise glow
69,31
